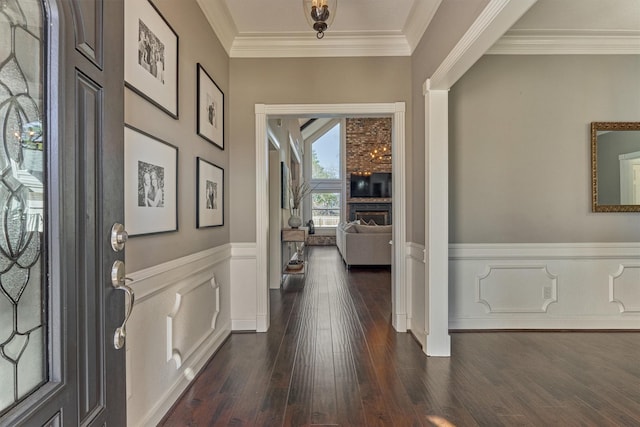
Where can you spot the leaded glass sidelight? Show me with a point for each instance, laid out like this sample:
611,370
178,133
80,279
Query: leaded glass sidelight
23,309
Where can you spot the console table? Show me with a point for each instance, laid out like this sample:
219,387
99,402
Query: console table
297,236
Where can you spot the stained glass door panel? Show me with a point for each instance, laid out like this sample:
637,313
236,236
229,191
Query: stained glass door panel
23,307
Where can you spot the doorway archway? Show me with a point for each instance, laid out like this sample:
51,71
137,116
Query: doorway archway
396,111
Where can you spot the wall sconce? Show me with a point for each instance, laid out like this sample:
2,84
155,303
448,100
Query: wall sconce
320,14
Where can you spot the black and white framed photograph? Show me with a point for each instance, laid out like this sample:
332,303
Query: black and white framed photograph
151,55
210,109
150,183
209,194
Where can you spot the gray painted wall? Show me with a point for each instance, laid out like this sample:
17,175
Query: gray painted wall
447,27
298,81
197,43
520,148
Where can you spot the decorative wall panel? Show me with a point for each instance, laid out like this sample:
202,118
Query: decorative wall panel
517,288
544,286
182,307
624,288
193,319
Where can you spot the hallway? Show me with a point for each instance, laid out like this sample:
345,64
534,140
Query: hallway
331,357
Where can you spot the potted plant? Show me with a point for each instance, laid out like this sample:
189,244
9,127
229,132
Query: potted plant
298,190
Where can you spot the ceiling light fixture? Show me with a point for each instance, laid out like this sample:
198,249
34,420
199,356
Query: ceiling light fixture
381,152
320,14
381,155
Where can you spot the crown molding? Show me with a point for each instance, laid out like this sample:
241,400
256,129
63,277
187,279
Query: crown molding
220,19
304,45
568,42
296,45
513,42
493,21
419,19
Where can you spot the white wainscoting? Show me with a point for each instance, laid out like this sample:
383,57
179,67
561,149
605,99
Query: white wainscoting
416,288
244,306
544,286
181,317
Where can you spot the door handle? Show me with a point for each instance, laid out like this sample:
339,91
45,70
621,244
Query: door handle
118,280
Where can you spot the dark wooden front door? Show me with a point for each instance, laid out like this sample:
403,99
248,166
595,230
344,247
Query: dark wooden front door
61,190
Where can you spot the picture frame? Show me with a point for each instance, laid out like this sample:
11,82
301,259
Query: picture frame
209,108
151,56
150,183
209,194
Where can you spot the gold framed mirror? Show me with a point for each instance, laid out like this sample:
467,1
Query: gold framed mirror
615,166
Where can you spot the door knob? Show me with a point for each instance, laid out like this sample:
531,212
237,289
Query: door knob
118,237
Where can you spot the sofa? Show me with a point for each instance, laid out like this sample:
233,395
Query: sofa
361,244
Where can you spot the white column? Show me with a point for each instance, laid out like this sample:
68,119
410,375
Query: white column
262,221
399,249
437,227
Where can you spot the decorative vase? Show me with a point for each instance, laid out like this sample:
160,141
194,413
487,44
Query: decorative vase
294,220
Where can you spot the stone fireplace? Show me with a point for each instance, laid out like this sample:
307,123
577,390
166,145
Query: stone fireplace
363,136
380,218
379,212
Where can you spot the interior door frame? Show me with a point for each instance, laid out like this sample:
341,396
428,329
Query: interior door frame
400,296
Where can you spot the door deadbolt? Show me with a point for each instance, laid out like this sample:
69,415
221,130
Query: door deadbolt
118,237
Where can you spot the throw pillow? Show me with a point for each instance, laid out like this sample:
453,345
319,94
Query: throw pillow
351,228
371,222
373,228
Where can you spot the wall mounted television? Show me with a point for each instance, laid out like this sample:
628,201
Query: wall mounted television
375,185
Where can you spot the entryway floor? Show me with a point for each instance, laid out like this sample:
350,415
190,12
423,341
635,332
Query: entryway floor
331,357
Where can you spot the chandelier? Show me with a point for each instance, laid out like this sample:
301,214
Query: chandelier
381,152
320,14
381,155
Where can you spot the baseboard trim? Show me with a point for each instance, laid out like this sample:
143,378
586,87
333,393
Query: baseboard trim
195,377
173,394
262,323
400,322
622,323
243,325
419,336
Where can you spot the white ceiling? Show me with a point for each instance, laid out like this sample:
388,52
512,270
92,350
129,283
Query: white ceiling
278,28
353,16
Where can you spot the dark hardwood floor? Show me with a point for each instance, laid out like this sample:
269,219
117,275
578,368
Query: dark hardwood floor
331,357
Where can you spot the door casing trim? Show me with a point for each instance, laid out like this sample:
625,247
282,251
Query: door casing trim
395,110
